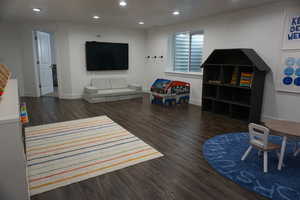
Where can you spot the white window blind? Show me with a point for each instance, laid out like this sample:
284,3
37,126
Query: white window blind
188,52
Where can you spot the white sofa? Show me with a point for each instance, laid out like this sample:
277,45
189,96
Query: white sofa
111,89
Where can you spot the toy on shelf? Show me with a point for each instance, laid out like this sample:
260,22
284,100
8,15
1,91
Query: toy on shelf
214,82
24,114
4,76
167,92
246,79
234,78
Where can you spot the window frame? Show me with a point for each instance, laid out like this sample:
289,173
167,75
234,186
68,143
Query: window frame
190,33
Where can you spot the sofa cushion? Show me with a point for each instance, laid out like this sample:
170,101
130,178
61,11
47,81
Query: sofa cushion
117,83
101,83
116,92
91,90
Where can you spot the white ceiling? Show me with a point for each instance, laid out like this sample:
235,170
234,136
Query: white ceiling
152,12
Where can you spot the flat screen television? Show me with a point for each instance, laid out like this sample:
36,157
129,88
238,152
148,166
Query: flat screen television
106,56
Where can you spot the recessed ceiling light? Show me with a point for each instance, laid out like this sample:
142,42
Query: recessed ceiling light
96,17
123,3
36,10
141,23
176,13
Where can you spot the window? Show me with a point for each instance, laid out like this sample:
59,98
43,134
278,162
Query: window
188,52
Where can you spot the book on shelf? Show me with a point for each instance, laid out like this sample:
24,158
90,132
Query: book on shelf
246,79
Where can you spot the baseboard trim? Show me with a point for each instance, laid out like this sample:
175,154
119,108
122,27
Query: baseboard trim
29,95
267,117
192,101
196,102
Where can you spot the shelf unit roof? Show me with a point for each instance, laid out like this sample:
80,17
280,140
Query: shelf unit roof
241,57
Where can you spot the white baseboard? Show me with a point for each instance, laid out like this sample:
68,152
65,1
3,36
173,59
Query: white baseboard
29,95
267,117
195,102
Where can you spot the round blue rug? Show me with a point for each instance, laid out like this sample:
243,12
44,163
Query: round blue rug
224,153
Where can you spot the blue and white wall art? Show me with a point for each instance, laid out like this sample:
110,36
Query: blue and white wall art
291,35
288,74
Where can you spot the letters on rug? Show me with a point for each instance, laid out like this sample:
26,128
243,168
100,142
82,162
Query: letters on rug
224,153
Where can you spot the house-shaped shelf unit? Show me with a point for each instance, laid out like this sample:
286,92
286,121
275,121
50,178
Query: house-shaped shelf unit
222,91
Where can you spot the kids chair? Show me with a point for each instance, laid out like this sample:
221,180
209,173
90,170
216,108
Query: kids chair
259,140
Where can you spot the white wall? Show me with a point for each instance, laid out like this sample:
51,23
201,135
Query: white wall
69,45
11,51
79,34
259,28
158,44
30,72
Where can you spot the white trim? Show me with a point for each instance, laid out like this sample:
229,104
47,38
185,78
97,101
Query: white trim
196,102
28,94
173,49
196,75
267,117
36,66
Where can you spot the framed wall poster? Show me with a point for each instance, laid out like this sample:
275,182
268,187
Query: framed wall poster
291,33
288,74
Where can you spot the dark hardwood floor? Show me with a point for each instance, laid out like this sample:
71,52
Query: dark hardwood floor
177,132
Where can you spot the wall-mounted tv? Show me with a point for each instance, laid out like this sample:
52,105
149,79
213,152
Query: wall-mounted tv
106,56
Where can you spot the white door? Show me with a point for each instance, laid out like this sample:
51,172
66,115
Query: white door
44,62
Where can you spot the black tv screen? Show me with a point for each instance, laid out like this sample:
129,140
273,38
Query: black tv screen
106,56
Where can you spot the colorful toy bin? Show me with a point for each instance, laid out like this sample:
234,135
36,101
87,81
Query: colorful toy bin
168,92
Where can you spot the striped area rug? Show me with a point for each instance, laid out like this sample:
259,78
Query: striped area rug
64,153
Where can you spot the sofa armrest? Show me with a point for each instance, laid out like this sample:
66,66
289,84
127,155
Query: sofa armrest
135,87
90,90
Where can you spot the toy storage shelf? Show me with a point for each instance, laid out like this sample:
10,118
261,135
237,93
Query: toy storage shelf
13,171
222,96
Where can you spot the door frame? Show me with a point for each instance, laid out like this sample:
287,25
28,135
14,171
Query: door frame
35,60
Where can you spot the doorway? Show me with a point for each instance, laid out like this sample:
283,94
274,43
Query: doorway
46,63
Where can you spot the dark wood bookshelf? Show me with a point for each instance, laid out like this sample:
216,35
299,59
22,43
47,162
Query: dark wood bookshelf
228,85
220,96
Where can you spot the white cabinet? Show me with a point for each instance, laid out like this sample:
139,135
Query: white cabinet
13,178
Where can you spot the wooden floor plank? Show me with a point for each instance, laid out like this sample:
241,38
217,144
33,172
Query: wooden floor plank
177,132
